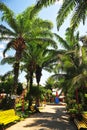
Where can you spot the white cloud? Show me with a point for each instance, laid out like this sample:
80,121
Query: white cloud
59,2
1,50
2,46
1,55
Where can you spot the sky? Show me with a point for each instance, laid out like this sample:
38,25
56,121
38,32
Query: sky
48,13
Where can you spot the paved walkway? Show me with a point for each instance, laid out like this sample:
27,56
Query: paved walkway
52,117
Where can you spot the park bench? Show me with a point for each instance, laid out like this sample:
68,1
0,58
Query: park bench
83,123
84,118
8,116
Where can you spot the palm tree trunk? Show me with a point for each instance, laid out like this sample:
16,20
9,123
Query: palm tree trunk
28,81
31,80
77,100
30,90
38,74
16,70
16,73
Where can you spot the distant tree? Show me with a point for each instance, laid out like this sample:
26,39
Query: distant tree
50,83
6,84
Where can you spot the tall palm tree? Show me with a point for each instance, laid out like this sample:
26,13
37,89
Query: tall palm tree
77,7
14,34
20,30
73,65
36,56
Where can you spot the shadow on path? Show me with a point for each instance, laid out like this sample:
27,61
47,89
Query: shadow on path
54,119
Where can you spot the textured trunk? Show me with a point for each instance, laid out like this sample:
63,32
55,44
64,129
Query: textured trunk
16,73
30,91
16,70
77,100
31,80
38,74
28,81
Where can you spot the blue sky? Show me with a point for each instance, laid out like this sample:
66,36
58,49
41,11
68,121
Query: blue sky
49,13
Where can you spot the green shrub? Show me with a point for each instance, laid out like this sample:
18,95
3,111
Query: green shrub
7,103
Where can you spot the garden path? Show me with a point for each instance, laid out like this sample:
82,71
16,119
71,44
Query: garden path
52,117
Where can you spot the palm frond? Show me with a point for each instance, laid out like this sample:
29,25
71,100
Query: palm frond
5,31
69,35
27,13
45,33
42,40
79,14
45,24
8,16
40,4
8,60
62,42
7,74
64,11
58,76
5,38
79,79
8,47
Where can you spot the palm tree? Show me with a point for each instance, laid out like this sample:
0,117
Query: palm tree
34,60
78,9
72,65
50,83
20,31
14,34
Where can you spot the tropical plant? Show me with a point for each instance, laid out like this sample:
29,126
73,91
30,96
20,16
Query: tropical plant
6,84
50,83
38,92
